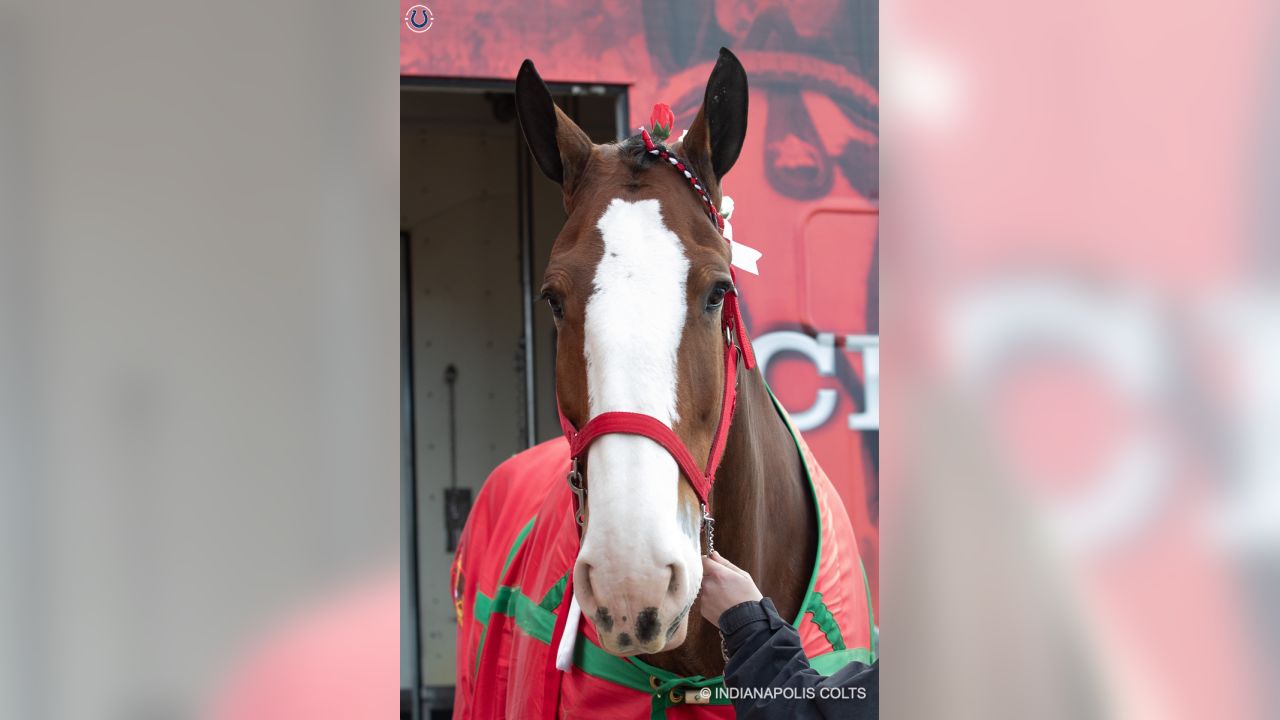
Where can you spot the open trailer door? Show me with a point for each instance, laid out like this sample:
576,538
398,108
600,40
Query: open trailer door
477,224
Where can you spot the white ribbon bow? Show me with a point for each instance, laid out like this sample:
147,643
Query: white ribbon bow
744,258
564,653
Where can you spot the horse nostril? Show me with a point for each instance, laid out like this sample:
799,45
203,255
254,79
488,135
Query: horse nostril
673,585
585,582
647,624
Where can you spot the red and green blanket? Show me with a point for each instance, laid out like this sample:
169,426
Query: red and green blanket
509,576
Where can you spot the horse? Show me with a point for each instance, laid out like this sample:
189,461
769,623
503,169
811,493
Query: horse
653,369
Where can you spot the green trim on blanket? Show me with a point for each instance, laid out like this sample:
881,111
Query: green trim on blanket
874,632
829,663
552,599
807,601
515,547
825,621
484,604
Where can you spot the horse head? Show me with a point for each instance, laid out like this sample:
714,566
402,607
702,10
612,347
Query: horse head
637,282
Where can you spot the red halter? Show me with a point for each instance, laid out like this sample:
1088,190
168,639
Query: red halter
631,423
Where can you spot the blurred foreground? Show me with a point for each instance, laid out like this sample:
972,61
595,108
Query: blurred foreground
1081,295
199,348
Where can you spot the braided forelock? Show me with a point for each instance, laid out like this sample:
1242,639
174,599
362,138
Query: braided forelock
632,149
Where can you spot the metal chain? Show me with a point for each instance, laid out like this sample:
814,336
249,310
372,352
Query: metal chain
579,491
709,523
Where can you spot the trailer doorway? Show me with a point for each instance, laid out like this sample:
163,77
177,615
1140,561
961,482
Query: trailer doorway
477,222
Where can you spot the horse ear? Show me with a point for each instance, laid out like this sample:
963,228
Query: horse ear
715,138
558,145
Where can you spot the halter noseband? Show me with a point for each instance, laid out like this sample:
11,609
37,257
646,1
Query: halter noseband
631,423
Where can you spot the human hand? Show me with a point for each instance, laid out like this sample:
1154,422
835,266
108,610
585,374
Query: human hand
723,586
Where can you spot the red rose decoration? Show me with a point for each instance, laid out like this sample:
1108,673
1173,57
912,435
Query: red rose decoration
661,120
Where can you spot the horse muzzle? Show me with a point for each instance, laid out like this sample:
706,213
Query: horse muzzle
636,609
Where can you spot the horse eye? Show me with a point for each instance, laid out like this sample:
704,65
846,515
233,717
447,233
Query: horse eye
716,298
556,308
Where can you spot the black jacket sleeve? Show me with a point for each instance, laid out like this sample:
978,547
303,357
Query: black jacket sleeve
768,668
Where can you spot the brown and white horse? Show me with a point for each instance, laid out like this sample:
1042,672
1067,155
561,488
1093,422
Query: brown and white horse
636,283
654,372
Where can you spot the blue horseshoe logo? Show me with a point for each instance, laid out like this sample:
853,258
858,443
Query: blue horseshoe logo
411,19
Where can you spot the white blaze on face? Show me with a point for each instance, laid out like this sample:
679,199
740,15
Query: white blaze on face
635,315
634,321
